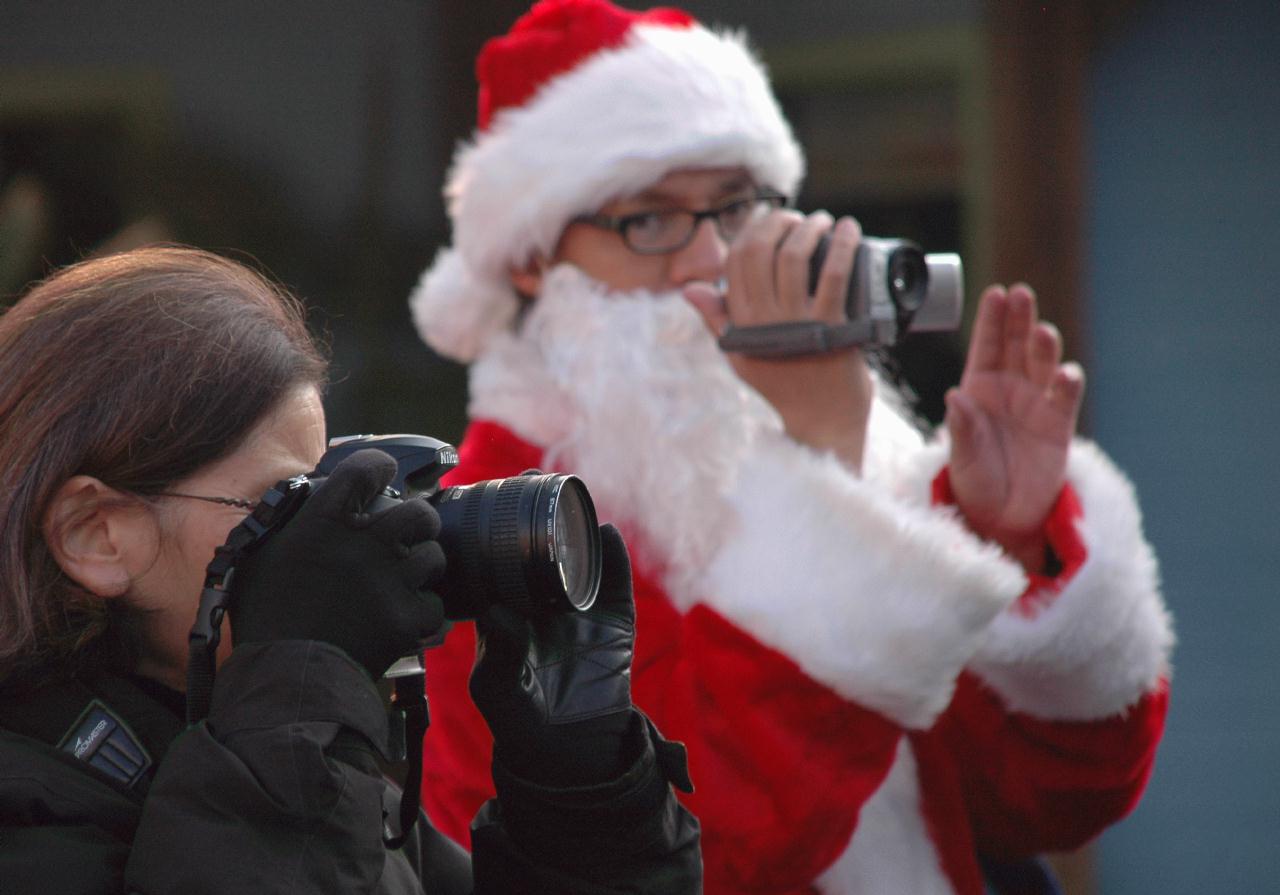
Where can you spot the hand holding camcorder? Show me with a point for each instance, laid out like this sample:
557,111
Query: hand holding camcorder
894,289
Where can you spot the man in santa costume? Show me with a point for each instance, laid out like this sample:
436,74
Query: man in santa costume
890,657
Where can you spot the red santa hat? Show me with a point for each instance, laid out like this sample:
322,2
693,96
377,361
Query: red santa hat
580,103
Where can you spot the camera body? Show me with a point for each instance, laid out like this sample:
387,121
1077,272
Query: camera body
895,289
529,542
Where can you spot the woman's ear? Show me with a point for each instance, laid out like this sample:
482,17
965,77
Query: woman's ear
100,537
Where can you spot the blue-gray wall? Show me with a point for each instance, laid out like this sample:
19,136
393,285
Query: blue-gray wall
1184,321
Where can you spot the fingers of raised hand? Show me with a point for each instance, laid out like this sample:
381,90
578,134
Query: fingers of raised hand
1044,353
986,344
1066,391
1019,324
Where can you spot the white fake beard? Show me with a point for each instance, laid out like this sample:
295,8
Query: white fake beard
656,422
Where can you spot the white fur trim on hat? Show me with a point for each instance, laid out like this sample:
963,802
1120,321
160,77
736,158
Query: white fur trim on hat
456,312
667,98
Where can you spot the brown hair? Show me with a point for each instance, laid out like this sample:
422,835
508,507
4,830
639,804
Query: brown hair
137,369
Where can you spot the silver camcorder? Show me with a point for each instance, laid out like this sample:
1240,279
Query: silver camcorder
897,289
894,289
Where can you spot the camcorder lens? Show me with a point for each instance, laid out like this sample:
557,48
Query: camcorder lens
905,268
908,279
528,542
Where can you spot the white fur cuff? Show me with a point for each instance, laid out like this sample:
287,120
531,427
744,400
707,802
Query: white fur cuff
882,600
1105,640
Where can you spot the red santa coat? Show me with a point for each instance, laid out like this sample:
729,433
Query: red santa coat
878,749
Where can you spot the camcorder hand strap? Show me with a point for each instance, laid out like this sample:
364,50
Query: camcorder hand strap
795,339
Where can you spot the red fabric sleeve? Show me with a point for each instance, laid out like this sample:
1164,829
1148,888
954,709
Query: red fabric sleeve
1061,534
1031,785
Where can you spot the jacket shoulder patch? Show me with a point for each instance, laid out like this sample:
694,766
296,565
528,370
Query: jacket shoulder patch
101,739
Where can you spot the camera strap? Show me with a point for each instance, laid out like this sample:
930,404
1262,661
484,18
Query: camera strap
410,720
796,338
275,508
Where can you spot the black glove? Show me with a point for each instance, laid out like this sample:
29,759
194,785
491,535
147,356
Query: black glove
556,692
351,568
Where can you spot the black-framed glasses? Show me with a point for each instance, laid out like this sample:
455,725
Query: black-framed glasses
662,232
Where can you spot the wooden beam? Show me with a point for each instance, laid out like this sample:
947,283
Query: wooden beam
1038,60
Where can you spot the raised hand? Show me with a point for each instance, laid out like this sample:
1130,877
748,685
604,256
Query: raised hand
1011,421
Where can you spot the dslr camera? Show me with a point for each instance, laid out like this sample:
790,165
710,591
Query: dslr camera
894,289
530,542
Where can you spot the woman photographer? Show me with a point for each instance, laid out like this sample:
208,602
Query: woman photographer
147,401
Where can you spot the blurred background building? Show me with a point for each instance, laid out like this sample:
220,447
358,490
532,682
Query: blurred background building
1121,156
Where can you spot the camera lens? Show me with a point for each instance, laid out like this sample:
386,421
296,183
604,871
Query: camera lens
571,546
529,542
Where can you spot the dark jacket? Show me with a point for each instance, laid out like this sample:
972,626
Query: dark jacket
280,791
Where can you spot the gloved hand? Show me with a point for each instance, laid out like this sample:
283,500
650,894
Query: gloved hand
347,571
556,692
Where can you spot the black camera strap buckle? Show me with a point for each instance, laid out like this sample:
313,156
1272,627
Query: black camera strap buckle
796,338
